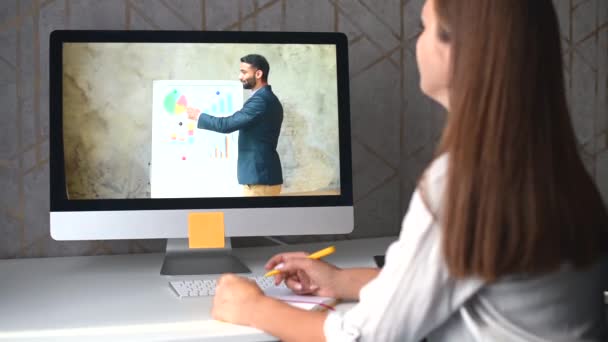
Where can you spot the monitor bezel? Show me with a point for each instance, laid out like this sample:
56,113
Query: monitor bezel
59,201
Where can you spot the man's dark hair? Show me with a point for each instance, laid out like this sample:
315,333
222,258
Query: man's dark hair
258,62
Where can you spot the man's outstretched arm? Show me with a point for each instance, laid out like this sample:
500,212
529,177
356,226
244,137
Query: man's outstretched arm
251,113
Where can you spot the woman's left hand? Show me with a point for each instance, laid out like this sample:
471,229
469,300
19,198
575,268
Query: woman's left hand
235,299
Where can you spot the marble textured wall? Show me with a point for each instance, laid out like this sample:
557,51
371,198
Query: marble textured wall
394,127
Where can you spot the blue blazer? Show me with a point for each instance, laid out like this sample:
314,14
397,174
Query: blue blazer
259,125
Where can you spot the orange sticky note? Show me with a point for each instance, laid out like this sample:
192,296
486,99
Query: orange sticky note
206,230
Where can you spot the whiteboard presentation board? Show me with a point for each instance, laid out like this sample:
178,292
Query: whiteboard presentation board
188,162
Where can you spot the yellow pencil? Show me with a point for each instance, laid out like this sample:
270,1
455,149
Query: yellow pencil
316,255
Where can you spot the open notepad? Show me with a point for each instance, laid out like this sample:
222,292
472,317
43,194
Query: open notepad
311,303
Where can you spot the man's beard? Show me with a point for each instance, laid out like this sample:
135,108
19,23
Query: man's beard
249,83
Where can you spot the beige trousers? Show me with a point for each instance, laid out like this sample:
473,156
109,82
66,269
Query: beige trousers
261,190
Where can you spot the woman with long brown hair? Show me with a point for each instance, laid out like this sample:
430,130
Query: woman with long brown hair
506,235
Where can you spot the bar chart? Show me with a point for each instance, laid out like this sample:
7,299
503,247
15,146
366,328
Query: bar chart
220,104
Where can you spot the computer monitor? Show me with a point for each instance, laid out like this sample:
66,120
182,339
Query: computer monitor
148,128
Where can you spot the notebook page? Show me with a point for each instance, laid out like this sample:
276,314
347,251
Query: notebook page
305,302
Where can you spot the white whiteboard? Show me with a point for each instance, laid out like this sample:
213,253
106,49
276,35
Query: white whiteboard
187,161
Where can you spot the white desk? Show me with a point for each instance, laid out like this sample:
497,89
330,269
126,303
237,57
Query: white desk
124,297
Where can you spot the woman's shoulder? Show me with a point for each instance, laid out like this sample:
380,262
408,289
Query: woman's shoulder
437,169
432,183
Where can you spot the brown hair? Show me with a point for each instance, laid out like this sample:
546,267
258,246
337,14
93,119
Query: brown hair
518,198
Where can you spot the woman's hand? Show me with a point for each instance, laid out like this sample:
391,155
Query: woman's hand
235,299
305,276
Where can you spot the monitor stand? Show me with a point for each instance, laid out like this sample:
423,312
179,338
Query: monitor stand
182,260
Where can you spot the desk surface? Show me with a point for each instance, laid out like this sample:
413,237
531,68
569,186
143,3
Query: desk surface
124,297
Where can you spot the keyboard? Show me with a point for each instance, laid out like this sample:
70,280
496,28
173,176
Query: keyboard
206,287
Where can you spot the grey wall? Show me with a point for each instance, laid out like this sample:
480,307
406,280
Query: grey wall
394,127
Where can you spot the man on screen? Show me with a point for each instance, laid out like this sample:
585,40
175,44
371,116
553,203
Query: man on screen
259,125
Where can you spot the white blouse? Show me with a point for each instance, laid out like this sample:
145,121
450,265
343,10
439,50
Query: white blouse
414,296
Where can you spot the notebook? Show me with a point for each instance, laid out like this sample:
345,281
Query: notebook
306,302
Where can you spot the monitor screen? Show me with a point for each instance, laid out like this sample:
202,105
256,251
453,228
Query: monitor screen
128,132
148,126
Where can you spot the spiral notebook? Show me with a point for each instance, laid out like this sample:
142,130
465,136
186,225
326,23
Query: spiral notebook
310,303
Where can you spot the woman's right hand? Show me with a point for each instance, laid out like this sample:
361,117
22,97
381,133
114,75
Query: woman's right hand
305,276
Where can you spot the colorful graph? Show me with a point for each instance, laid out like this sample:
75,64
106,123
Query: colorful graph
223,104
180,128
175,103
221,151
220,104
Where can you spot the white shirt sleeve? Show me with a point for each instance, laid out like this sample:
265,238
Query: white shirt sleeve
412,295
